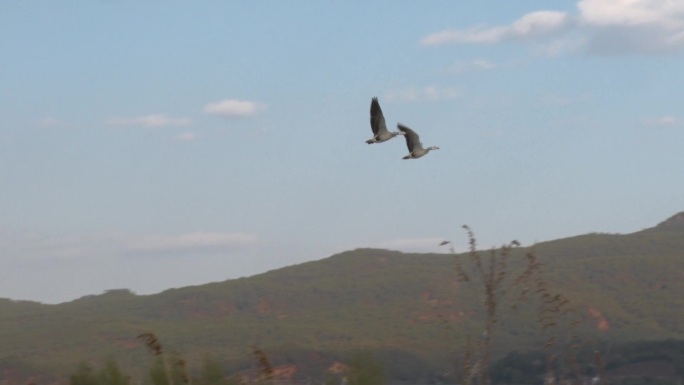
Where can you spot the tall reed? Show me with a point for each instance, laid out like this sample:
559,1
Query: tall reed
151,341
491,272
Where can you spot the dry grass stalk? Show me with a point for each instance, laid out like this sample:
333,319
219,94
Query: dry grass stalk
467,366
265,368
179,363
152,342
600,368
552,309
492,271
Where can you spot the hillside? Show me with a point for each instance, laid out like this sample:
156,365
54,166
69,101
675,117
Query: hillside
407,306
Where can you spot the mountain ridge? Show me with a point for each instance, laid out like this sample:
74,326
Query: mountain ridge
675,222
623,287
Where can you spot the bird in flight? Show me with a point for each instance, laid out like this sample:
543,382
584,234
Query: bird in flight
415,148
377,122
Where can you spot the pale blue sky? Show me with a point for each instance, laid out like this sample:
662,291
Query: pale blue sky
149,145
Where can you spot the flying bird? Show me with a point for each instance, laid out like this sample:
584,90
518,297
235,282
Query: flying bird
415,148
377,122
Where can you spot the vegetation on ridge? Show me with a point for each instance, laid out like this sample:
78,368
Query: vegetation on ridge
409,308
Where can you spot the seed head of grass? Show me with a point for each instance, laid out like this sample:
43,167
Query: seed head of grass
152,343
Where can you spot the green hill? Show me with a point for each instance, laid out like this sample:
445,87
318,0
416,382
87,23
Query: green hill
408,307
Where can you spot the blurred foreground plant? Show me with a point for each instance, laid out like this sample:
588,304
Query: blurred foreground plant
500,286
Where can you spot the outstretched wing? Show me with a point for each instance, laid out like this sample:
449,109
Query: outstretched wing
412,140
377,119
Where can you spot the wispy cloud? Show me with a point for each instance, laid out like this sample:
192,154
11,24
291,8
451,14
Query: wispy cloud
185,137
155,120
196,241
50,122
58,248
463,66
667,120
430,93
598,26
632,26
232,108
531,25
88,264
663,13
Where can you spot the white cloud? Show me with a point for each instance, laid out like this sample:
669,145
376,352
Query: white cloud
155,120
472,35
33,246
230,108
189,242
463,66
664,121
45,248
430,93
185,137
412,244
598,27
72,266
538,24
534,24
633,26
49,122
667,14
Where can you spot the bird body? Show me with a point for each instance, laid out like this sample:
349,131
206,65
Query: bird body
377,122
415,148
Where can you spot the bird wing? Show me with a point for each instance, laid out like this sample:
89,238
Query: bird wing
412,139
377,119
